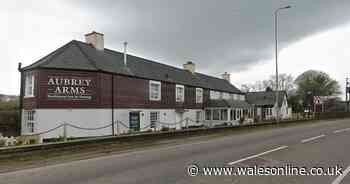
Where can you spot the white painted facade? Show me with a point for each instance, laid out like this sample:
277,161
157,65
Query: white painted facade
271,113
46,119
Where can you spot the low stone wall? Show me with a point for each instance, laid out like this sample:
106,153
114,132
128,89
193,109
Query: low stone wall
9,123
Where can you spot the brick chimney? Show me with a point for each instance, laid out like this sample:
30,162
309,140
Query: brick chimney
190,66
226,76
95,39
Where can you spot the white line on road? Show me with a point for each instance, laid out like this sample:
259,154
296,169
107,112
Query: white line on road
341,177
257,155
341,130
312,138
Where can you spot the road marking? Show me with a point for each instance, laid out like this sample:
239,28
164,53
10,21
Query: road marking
341,177
312,138
341,130
257,155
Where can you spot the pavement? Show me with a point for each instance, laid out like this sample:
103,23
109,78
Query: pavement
323,145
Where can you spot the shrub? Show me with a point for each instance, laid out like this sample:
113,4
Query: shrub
164,128
2,142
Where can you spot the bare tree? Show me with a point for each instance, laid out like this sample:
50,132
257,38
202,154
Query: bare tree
286,83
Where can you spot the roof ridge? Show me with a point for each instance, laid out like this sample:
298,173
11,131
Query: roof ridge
155,62
92,62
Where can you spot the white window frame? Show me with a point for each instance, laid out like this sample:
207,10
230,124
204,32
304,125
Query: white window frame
29,85
225,96
177,97
214,95
159,97
199,95
30,121
153,122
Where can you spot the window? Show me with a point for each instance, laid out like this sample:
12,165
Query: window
234,114
220,95
214,94
198,116
199,95
238,111
155,90
241,97
231,114
29,85
223,115
154,119
208,114
235,97
226,96
30,121
180,93
245,112
216,114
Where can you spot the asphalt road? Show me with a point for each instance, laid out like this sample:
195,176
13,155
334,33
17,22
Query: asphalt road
324,144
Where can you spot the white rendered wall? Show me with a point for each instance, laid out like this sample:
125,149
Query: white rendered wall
46,119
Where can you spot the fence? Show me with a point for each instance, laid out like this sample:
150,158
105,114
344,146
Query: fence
186,123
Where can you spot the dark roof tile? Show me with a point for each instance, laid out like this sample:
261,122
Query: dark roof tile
82,56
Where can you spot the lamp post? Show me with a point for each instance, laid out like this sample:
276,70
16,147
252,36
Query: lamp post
276,55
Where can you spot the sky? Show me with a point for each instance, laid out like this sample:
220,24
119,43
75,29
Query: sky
218,36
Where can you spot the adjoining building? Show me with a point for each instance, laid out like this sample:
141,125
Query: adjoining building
88,85
264,103
229,111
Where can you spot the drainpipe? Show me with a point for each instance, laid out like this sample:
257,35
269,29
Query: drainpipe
112,104
21,93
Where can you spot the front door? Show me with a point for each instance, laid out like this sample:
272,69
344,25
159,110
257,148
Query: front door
134,121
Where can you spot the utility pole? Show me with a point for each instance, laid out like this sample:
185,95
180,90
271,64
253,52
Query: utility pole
347,95
276,57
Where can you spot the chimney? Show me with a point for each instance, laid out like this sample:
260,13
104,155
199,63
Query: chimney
226,76
190,66
125,53
95,39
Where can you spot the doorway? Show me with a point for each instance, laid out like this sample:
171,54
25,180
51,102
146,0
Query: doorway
134,121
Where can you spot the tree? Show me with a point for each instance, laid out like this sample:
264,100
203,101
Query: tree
315,83
285,82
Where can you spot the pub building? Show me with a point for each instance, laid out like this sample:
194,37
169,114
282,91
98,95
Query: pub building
88,85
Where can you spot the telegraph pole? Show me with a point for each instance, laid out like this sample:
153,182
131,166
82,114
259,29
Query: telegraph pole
347,95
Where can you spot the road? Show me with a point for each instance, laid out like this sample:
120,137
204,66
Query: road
324,144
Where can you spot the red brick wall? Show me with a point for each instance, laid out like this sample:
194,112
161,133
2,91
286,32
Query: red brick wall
129,92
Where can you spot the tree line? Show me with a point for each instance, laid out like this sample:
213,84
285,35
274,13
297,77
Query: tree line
300,90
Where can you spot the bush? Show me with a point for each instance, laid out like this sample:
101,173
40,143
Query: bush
2,142
164,128
7,106
241,120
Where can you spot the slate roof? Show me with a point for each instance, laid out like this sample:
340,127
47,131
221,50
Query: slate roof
77,55
265,98
229,103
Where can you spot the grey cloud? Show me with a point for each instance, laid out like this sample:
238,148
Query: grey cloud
226,35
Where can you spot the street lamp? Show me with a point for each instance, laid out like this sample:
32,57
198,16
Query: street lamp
276,55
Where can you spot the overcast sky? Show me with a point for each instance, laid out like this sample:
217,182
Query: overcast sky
235,36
